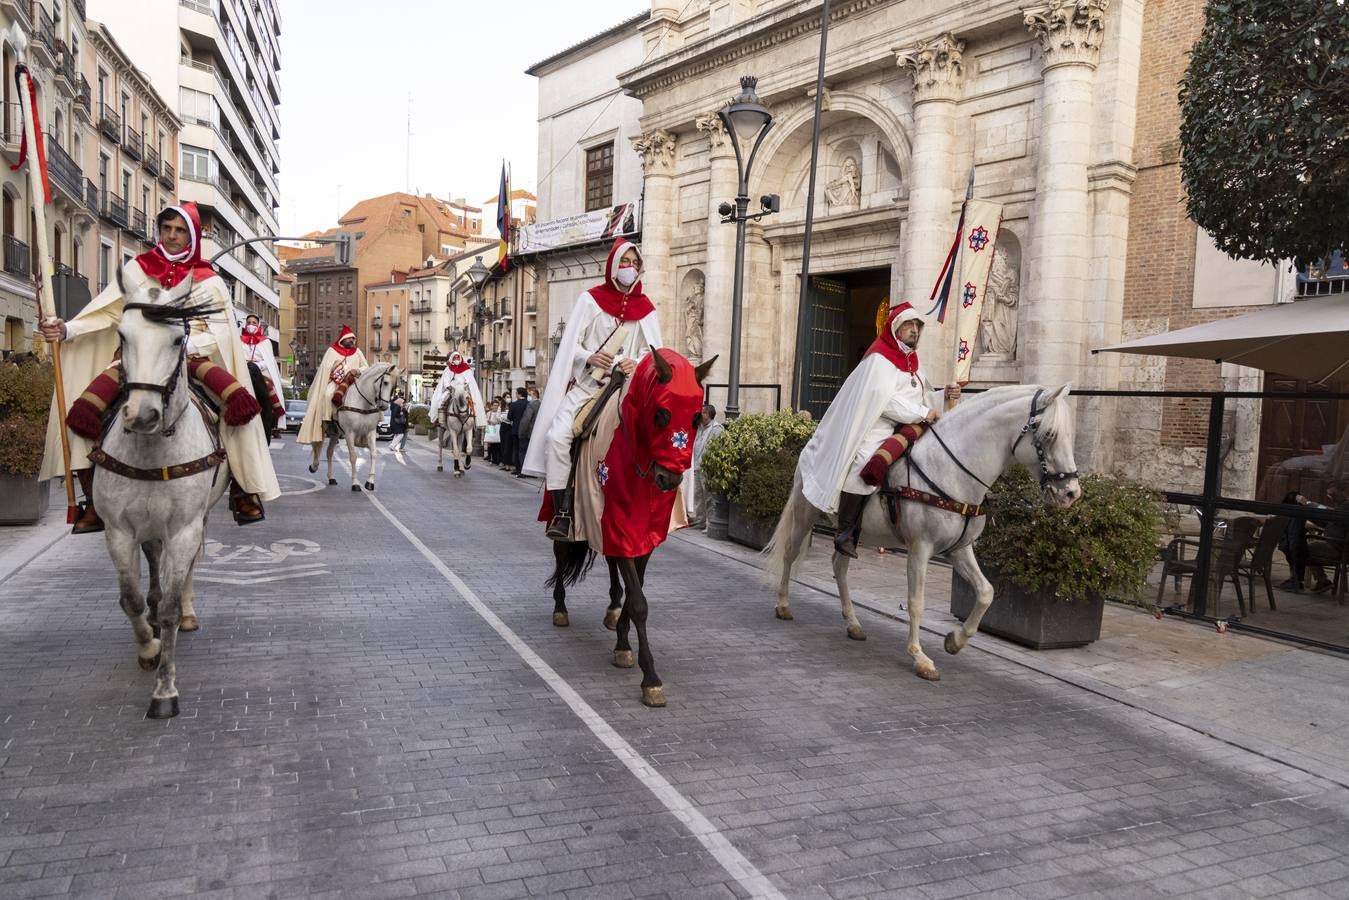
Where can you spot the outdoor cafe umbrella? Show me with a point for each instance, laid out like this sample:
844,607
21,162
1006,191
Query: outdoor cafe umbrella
1307,339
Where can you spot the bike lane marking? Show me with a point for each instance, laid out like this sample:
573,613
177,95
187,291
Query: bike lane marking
732,860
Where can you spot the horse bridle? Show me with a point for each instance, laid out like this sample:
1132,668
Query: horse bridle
1032,427
166,389
379,404
463,407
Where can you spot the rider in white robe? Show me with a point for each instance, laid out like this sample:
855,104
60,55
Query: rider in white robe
339,361
887,389
612,324
89,341
458,370
258,351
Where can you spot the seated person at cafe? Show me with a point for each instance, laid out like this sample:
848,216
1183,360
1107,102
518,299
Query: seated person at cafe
1327,548
1294,546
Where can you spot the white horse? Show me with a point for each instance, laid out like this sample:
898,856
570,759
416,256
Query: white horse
456,423
938,486
160,470
361,411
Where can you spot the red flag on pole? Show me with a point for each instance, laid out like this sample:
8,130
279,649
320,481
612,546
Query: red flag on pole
19,72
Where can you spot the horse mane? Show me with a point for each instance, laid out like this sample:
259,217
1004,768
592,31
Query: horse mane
1057,416
168,313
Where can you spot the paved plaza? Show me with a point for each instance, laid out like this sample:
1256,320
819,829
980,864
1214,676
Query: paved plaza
378,705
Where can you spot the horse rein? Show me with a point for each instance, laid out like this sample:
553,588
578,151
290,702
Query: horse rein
1032,427
166,389
377,405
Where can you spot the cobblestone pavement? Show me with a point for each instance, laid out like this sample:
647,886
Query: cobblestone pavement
353,727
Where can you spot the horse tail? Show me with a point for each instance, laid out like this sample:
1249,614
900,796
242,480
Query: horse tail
574,559
784,547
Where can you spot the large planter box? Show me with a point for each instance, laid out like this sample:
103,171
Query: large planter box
1034,620
23,501
749,531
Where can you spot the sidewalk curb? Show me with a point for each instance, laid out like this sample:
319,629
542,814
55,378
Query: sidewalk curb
44,537
1026,659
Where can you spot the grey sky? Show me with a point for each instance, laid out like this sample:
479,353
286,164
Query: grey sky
347,68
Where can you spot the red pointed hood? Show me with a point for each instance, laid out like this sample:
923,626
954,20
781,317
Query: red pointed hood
457,364
255,338
887,343
169,269
337,344
625,305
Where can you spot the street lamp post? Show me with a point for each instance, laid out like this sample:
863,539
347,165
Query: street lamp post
477,276
745,121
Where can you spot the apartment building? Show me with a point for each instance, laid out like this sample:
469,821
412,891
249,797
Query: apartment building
219,60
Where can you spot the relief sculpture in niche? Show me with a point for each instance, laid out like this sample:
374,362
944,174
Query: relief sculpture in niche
845,190
693,319
997,327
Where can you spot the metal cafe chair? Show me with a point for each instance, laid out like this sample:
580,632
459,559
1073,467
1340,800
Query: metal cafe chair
1228,551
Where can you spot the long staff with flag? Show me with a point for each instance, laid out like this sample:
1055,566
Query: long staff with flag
504,218
966,268
32,151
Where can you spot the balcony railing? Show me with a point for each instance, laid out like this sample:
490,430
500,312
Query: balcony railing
421,306
109,122
137,225
91,195
64,172
83,99
167,177
420,339
151,162
13,126
69,71
131,143
395,322
18,259
78,6
44,29
114,208
393,342
376,323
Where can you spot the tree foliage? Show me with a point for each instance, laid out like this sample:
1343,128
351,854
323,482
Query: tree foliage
1265,128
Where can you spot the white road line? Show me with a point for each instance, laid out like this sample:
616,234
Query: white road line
731,859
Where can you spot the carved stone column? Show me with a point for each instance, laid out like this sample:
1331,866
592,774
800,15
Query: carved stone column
656,149
938,82
719,270
1054,320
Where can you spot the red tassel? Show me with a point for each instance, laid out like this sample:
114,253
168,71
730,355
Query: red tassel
241,408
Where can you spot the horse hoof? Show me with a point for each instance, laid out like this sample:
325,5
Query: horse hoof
458,474
313,469
370,486
189,623
611,618
653,696
856,633
560,619
950,643
440,468
162,709
927,672
148,665
624,659
782,613
356,488
332,481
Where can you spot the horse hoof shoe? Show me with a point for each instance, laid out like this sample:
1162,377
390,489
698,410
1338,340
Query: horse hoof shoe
950,644
560,619
781,613
856,633
653,696
356,487
370,486
313,469
624,659
927,673
162,709
332,481
440,468
189,623
611,618
148,665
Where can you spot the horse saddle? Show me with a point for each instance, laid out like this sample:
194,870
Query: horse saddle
588,416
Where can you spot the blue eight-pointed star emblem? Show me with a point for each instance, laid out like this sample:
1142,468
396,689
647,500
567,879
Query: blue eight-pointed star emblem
680,439
978,238
968,294
602,473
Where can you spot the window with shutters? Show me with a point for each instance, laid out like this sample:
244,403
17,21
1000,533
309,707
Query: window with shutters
600,177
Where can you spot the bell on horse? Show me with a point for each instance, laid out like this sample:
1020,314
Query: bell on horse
624,481
937,490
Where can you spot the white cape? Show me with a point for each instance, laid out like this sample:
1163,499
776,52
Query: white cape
569,365
828,456
443,387
320,408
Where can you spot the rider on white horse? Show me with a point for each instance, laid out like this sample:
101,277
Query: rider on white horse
90,341
613,323
886,390
457,369
341,363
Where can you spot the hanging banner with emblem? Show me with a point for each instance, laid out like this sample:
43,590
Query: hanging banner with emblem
965,277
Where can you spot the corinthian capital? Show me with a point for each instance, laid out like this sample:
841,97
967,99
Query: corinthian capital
712,126
1070,31
657,150
937,68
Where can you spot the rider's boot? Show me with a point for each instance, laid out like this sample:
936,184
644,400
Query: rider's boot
330,429
850,508
88,521
560,528
247,508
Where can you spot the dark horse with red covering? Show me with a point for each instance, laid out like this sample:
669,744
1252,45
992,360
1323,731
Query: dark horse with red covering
627,462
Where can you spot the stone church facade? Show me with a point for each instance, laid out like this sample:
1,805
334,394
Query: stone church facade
1040,100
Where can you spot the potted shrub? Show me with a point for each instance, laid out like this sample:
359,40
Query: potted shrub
1053,569
25,401
750,465
420,420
